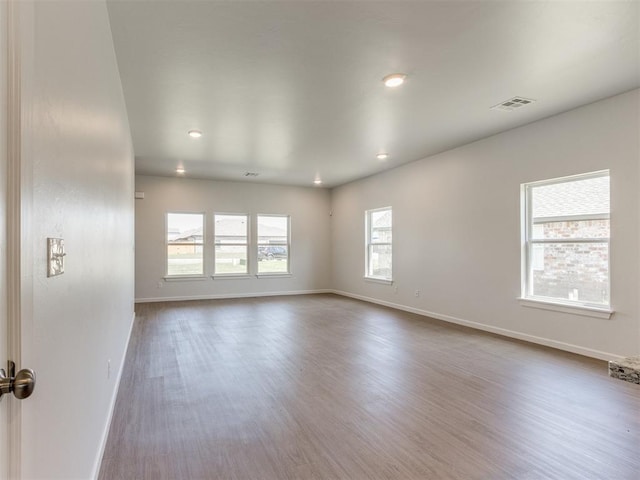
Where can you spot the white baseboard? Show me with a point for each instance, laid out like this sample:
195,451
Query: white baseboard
112,405
588,352
231,295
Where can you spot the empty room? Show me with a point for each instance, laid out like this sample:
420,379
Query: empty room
316,239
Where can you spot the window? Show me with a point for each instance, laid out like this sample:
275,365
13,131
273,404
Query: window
273,244
185,236
566,240
231,244
379,248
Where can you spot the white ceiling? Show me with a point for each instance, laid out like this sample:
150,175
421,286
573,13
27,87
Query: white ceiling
292,90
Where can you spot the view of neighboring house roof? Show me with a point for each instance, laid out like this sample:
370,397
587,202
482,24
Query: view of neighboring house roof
230,226
226,227
382,219
186,235
270,231
582,197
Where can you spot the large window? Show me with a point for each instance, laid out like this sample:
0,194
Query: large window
185,240
273,244
379,243
566,240
231,244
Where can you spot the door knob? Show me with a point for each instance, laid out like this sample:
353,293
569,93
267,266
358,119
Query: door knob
21,384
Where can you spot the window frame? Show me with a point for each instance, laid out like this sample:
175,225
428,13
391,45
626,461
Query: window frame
259,245
247,245
167,275
528,242
369,244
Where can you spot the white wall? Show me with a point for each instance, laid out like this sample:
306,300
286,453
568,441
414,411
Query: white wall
79,156
310,235
456,221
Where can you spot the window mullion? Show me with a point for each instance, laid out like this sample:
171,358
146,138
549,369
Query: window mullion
542,241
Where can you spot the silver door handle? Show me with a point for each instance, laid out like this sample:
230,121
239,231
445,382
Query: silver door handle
21,384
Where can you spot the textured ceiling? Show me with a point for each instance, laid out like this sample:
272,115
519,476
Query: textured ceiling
293,91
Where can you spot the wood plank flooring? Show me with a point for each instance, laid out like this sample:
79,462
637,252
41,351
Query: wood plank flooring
326,387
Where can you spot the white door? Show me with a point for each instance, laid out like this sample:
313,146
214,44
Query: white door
10,231
4,401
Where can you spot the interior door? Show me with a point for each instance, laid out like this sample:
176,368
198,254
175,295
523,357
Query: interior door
4,401
13,385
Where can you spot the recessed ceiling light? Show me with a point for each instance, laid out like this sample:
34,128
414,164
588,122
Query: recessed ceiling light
317,181
180,170
382,156
195,133
394,80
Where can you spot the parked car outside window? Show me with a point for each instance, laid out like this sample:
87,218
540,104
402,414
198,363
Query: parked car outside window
271,253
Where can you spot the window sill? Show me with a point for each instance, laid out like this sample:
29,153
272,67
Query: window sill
584,310
184,278
273,275
230,276
383,281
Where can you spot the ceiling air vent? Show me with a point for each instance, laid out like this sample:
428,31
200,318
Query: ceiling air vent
251,174
513,104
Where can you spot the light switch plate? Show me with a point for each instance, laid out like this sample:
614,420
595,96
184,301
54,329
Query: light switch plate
55,257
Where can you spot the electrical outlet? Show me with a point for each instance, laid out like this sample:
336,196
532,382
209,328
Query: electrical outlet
159,284
417,293
108,369
395,289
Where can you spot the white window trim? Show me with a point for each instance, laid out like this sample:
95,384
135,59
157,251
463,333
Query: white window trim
188,276
381,280
549,303
231,276
368,244
259,245
274,275
184,278
247,245
583,309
